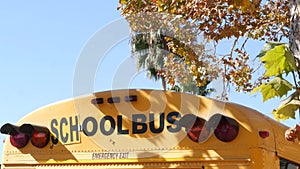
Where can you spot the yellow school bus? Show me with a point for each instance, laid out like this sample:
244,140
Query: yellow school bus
147,129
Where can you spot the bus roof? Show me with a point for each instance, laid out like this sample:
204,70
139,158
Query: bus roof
144,125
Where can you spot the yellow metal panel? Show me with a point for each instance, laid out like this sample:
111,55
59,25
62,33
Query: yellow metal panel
265,159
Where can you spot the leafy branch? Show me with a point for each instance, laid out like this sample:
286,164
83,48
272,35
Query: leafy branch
278,61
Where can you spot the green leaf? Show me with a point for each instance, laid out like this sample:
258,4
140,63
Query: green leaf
286,111
276,87
268,46
278,60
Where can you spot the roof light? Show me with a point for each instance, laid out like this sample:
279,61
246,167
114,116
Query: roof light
131,98
97,101
113,100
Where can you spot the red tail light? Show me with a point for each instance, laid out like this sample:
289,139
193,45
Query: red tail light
19,136
40,136
19,140
195,128
198,132
227,129
39,139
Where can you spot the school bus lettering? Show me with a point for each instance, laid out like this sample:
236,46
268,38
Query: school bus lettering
112,123
92,121
139,125
172,119
108,124
161,123
120,126
66,130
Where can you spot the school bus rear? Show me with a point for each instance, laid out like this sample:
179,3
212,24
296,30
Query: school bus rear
145,129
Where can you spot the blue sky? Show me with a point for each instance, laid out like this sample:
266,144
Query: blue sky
40,42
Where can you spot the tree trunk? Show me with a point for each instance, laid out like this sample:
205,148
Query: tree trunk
294,43
294,36
164,83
